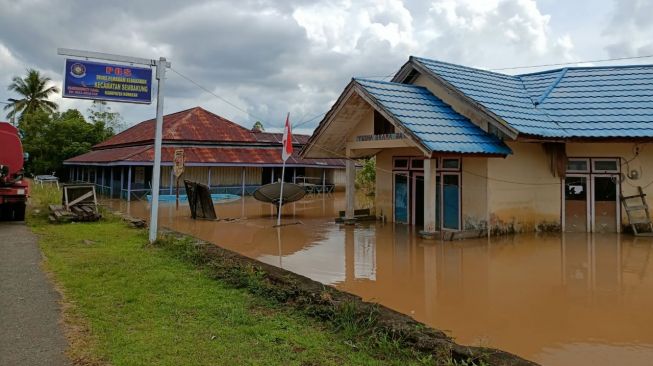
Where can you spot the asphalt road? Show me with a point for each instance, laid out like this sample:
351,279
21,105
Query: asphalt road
30,329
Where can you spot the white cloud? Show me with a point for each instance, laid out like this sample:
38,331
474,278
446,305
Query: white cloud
630,31
272,57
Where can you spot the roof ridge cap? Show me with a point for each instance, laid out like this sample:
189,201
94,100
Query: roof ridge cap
600,67
419,59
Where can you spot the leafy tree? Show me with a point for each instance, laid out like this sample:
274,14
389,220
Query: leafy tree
366,176
34,90
101,114
52,138
258,126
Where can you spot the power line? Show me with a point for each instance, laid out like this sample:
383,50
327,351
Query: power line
187,78
214,94
391,74
572,63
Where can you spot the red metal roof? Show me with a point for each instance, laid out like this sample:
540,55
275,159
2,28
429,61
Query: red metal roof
196,124
109,155
194,129
273,137
200,155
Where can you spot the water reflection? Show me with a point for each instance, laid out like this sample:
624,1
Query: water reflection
557,299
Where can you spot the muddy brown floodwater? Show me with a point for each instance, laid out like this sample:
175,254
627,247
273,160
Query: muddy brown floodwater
555,299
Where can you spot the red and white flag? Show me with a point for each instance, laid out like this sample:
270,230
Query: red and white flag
287,140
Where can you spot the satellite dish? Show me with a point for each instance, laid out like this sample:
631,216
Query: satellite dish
270,193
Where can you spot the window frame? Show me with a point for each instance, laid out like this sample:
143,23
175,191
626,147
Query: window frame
579,171
396,158
456,169
602,171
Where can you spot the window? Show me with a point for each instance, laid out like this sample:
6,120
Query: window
578,165
605,166
417,164
381,125
450,164
400,163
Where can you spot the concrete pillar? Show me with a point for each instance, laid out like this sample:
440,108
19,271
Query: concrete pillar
350,189
111,182
122,180
323,181
294,175
273,176
172,181
209,179
429,196
129,184
243,183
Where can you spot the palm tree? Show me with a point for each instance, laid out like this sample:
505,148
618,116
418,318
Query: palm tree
34,90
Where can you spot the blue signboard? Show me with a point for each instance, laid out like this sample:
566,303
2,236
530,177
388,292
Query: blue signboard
111,82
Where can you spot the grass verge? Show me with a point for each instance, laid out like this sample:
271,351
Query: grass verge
129,303
183,301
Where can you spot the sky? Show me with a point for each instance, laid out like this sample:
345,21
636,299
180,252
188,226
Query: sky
268,58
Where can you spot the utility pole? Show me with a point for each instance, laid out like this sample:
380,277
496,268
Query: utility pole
156,169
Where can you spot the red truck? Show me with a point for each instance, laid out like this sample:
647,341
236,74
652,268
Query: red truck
13,186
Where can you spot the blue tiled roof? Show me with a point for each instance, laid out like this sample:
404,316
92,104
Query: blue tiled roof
611,101
433,122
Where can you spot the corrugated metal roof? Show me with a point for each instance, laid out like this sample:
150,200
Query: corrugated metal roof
274,137
109,155
201,155
194,125
432,121
609,101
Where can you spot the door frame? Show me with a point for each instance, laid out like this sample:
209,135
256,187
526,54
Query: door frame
617,200
460,203
588,199
591,207
394,200
413,196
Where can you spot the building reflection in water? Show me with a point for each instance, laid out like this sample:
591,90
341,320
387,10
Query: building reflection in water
556,299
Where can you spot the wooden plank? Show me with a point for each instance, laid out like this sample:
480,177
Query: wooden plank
82,197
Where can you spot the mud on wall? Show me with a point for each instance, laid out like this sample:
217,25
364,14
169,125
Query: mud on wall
474,193
523,194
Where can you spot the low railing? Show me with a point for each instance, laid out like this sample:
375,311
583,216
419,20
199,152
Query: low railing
382,137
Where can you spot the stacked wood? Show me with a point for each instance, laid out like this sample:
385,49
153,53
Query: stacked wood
58,213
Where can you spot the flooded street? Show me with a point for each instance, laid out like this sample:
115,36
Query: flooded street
556,299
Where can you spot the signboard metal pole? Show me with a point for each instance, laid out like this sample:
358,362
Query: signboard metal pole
156,169
161,64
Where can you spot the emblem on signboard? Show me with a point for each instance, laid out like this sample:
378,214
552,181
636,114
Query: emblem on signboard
179,162
78,70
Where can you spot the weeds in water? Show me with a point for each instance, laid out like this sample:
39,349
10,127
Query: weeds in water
466,362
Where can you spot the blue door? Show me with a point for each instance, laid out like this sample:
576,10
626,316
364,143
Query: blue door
451,201
401,198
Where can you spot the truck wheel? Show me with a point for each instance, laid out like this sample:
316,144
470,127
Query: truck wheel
19,212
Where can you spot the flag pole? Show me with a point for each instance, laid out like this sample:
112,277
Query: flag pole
286,148
283,174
